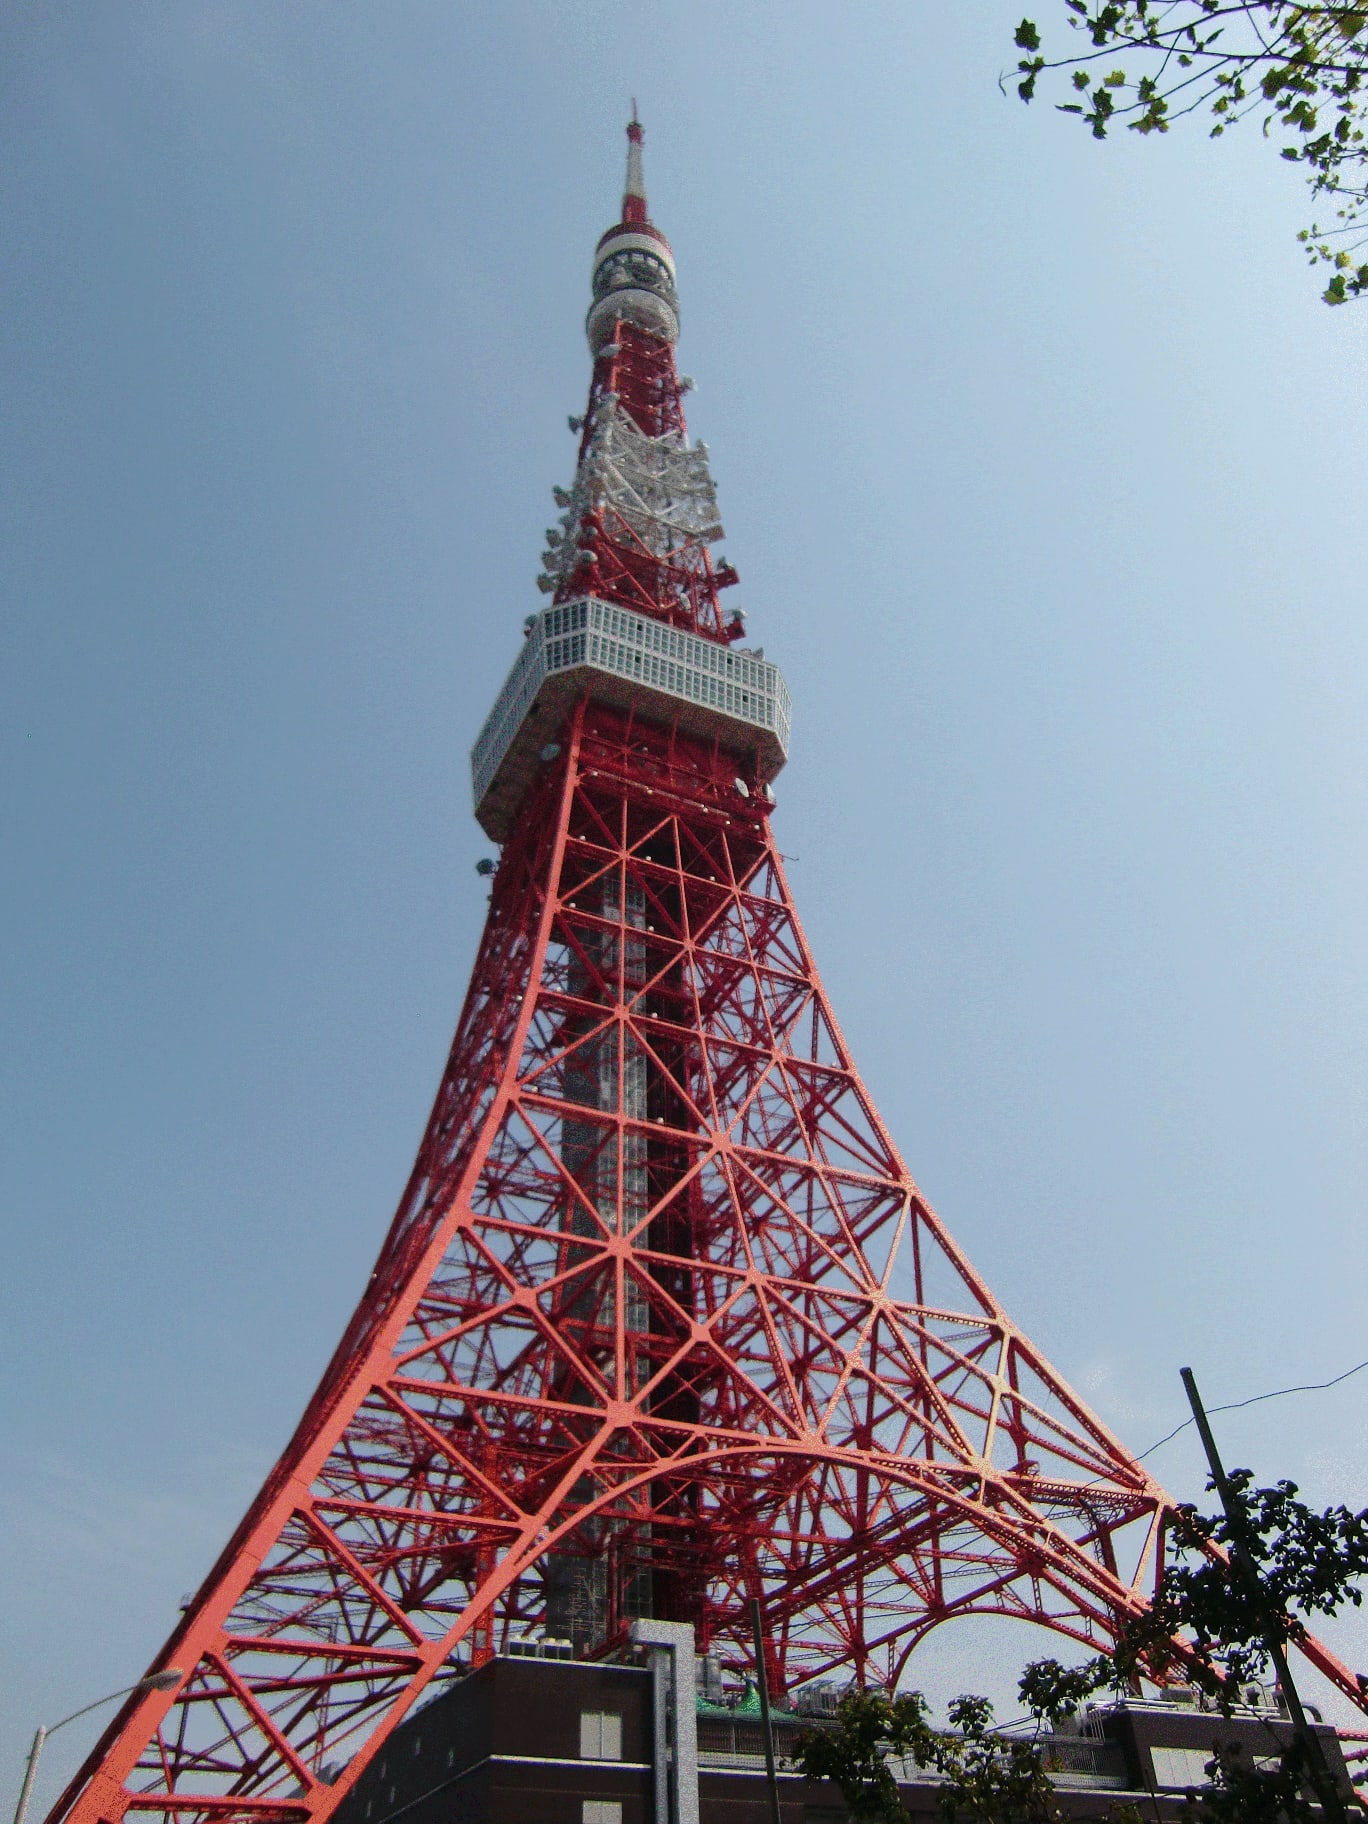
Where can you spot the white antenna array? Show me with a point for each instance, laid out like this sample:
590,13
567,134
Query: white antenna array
659,489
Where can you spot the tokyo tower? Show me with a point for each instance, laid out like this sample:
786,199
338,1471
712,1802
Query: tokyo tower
662,1323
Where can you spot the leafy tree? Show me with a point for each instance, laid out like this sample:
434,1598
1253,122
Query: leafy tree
872,1729
1303,1563
1270,1791
1208,1625
987,1777
1244,1793
1303,68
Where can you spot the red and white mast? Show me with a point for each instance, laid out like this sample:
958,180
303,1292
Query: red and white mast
641,514
630,556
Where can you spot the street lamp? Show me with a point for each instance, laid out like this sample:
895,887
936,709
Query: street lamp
155,1681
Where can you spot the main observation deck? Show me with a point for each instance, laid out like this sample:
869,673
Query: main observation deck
631,661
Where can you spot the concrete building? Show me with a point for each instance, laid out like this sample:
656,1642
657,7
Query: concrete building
540,1738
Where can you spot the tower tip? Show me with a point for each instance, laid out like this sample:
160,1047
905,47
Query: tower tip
634,191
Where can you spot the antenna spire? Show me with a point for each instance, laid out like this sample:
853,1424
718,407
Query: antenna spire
634,192
634,271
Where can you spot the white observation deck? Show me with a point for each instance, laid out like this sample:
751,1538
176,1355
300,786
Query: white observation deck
631,661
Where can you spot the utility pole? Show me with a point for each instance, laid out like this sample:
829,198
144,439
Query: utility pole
767,1727
1318,1772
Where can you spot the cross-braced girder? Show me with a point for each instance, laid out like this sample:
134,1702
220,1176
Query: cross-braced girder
662,1323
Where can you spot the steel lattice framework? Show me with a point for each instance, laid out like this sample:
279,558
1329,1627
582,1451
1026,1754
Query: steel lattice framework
663,1321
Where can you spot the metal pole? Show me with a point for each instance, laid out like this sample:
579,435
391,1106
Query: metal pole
762,1685
1317,1768
677,1774
39,1737
155,1681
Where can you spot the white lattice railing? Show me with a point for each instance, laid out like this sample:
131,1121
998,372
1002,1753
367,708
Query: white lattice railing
738,687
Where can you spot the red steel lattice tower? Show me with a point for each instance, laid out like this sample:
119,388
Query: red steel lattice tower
663,1322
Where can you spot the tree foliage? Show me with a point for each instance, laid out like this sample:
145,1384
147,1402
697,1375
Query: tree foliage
1243,1792
1206,1625
987,1778
1271,1790
1302,69
1304,1563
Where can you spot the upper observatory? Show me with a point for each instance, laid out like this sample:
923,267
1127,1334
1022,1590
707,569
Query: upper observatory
634,270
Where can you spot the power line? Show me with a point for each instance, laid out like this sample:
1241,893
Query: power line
1255,1399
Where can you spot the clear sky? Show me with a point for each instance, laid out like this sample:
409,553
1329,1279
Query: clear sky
1045,474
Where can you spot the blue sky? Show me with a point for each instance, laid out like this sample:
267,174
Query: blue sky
1044,472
